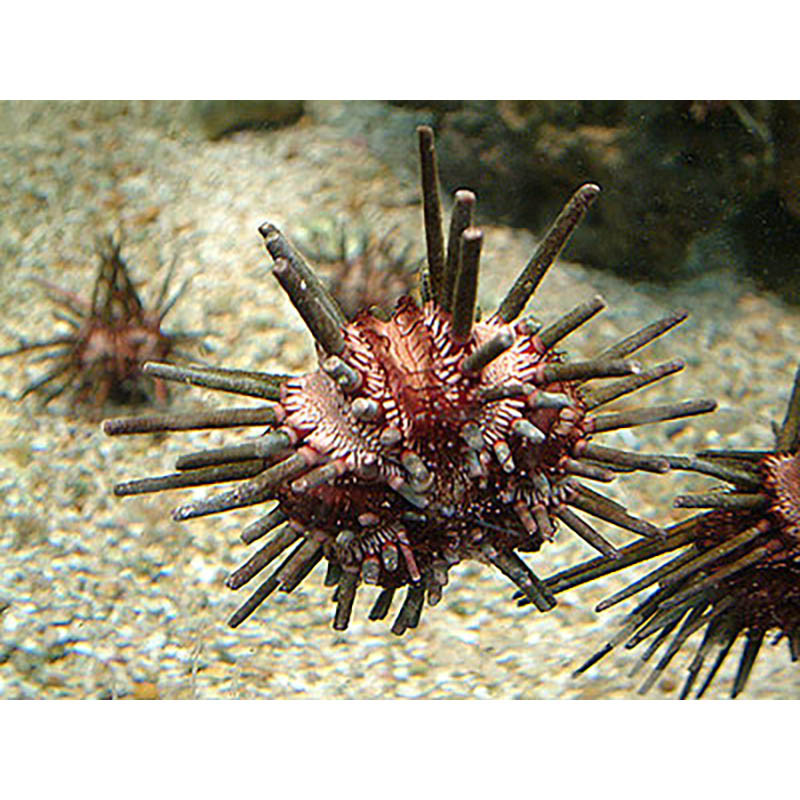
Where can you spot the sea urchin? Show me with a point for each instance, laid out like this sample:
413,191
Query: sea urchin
423,439
738,565
110,338
360,270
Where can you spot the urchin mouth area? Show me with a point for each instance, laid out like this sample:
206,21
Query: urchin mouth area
783,480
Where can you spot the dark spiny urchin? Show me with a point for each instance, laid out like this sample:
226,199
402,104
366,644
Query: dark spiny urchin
737,569
422,440
360,270
110,338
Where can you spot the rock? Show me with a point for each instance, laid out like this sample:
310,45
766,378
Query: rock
770,236
785,128
665,175
219,117
687,185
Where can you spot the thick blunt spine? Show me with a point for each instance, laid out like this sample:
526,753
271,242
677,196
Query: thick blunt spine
638,339
642,416
546,252
324,326
459,222
222,380
484,354
432,210
267,446
228,418
279,248
571,321
466,288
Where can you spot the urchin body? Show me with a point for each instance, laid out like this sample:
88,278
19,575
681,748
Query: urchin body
427,465
108,356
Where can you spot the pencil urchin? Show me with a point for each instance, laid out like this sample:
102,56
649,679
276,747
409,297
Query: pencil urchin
361,270
737,571
423,439
109,338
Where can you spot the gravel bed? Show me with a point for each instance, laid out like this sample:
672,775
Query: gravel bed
104,598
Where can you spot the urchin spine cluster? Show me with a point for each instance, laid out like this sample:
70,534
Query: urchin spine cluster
736,571
424,438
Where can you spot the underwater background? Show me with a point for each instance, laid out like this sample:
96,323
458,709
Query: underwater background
107,597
